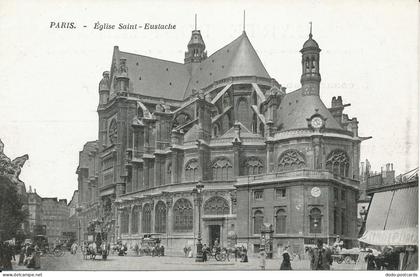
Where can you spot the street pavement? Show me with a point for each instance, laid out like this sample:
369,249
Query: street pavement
131,262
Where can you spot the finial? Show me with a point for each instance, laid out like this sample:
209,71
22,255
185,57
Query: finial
310,29
244,22
195,28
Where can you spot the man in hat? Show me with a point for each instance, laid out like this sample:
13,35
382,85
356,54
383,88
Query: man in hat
321,258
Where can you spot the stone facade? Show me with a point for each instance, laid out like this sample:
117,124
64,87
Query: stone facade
87,202
263,155
55,216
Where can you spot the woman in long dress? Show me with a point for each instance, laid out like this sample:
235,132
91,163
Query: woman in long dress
285,264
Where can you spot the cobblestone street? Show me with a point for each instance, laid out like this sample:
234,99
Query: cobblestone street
76,262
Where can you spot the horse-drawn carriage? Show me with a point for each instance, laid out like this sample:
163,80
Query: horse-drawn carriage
345,255
95,246
96,243
150,246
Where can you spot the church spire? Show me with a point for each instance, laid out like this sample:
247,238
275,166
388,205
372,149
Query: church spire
196,46
311,76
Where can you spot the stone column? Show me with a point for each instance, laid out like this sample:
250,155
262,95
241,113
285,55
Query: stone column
270,157
119,216
152,217
130,219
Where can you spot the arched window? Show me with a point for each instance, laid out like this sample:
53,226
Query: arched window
281,221
258,221
307,66
253,166
226,122
291,159
113,131
215,130
254,124
222,169
135,214
183,215
160,217
254,99
243,111
146,219
338,163
226,100
343,222
313,64
216,206
315,220
262,129
181,119
124,221
169,173
191,170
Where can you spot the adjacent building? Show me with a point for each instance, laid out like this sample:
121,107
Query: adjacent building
264,156
88,197
54,216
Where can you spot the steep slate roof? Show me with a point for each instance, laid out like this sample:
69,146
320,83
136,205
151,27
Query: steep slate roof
238,58
159,78
172,80
295,108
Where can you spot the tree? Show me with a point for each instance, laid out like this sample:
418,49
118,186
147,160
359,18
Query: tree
11,213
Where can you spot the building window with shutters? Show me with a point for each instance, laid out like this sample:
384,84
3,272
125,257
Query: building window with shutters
258,194
258,220
280,193
281,221
183,215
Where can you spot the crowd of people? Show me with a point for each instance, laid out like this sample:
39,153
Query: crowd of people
29,255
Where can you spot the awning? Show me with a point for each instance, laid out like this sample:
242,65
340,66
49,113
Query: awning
393,218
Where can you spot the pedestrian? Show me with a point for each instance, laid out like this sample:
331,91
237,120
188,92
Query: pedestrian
285,264
204,250
370,260
7,256
244,258
263,256
21,254
37,257
321,258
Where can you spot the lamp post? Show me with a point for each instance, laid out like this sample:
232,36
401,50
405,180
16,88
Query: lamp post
197,192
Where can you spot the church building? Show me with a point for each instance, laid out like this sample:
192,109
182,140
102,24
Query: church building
261,157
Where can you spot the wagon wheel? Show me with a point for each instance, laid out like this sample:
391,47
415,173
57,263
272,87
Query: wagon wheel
348,259
222,257
58,253
339,259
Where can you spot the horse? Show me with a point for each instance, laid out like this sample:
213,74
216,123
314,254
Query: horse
92,250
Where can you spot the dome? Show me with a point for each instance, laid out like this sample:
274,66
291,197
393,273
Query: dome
310,43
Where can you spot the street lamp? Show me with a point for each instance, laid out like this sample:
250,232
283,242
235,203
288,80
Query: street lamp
197,193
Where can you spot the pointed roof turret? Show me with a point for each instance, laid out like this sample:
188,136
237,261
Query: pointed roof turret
196,47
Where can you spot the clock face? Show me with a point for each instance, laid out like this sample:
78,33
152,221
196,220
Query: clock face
316,122
315,191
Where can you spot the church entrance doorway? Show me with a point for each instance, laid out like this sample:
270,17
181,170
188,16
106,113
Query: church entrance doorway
214,234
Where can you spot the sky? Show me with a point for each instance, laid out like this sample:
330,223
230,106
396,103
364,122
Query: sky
50,76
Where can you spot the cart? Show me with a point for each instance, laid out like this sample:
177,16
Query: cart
347,256
96,243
